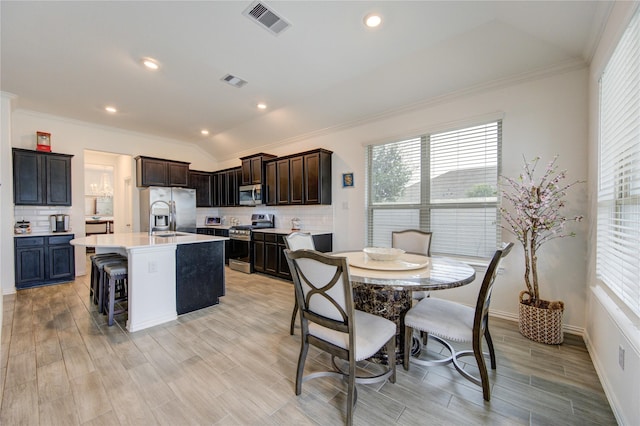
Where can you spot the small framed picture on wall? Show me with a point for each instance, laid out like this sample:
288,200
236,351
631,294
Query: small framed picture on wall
347,180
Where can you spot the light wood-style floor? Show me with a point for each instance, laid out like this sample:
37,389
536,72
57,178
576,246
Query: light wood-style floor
234,364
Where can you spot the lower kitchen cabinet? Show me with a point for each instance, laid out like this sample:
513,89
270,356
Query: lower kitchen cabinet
268,252
43,260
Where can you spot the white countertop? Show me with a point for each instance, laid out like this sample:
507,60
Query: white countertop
44,234
288,231
215,226
128,240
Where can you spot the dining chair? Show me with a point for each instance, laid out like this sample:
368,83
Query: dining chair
416,242
447,321
330,322
298,241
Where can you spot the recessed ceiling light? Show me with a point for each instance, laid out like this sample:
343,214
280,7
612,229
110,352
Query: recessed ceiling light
262,105
111,109
372,20
150,63
205,132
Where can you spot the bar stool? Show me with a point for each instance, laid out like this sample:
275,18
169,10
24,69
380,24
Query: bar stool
97,266
115,279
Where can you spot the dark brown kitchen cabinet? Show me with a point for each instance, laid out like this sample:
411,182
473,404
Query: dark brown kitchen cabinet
296,182
258,251
303,178
317,177
271,254
226,187
202,182
41,178
160,172
43,260
252,168
282,182
268,252
271,183
289,181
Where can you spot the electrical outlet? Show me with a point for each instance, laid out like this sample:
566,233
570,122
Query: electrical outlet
621,356
153,266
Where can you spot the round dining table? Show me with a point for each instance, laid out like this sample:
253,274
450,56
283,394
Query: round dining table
385,287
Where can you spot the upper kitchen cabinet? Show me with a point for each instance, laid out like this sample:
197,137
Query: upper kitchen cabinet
317,177
252,168
202,182
303,178
41,178
226,183
159,172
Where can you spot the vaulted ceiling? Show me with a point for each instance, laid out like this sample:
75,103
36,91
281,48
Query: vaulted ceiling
325,70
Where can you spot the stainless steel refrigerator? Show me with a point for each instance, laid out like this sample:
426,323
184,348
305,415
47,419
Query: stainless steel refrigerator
168,209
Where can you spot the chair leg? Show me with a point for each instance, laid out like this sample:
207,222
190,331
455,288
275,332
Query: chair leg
293,316
112,298
391,357
482,367
304,348
492,354
408,340
351,391
425,338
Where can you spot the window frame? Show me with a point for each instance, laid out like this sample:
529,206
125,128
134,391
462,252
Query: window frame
426,206
618,182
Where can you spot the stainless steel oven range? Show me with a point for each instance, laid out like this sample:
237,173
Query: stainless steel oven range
240,250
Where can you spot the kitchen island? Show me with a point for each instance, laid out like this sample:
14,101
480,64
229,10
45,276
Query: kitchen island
169,273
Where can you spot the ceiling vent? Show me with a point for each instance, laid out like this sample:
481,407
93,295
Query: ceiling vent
233,80
266,18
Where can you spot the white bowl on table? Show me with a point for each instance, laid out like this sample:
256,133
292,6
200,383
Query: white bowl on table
383,253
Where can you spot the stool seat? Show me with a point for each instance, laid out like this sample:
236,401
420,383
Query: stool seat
116,269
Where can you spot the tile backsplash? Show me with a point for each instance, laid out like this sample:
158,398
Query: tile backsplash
38,215
312,218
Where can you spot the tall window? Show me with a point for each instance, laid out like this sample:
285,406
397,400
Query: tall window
618,225
445,183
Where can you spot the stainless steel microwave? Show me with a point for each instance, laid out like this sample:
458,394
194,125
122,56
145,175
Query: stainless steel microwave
250,195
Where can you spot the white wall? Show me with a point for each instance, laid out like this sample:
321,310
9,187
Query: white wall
609,324
6,195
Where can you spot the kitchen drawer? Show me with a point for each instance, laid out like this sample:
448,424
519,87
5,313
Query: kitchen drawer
258,236
29,241
61,239
270,238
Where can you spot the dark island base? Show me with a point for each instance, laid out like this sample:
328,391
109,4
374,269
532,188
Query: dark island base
199,275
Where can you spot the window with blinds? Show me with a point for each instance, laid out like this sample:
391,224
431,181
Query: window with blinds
618,222
446,183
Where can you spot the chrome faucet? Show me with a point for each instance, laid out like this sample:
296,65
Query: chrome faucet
152,216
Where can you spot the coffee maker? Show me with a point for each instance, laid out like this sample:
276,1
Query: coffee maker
59,222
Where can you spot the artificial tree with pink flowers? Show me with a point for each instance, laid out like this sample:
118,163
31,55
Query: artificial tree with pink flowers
535,216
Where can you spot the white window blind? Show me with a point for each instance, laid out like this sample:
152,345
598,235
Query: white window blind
618,222
445,183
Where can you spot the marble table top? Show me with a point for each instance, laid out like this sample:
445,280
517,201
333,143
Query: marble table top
439,274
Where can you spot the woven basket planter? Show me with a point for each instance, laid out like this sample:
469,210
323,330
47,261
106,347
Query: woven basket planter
541,324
